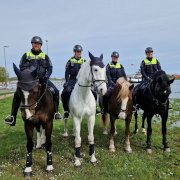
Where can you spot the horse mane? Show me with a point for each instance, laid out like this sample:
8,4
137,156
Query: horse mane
124,92
83,66
161,74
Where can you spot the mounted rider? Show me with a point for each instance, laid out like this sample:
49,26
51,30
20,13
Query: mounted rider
114,70
41,61
72,68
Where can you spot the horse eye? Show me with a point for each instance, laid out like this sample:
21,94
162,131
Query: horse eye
95,69
35,89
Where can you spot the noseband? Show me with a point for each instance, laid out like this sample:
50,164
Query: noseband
36,102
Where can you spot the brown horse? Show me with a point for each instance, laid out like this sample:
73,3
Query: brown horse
37,108
120,106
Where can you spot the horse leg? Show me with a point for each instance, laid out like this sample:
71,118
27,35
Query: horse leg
136,125
91,122
115,129
127,132
165,142
43,137
111,146
65,128
38,146
143,119
149,132
29,133
77,128
48,131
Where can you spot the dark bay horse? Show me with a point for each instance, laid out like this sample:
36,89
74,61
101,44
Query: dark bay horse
37,108
120,106
153,99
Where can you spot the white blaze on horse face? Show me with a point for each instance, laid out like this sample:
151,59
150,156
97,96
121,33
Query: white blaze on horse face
99,74
122,115
26,94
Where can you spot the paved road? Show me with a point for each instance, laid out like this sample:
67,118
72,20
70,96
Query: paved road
2,90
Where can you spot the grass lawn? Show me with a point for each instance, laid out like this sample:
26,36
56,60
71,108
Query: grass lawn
118,165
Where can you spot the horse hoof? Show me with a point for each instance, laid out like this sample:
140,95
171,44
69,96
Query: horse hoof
149,151
78,167
136,132
144,133
49,172
129,151
105,133
167,150
94,163
27,174
112,150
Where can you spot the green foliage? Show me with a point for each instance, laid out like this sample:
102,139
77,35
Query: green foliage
119,165
2,74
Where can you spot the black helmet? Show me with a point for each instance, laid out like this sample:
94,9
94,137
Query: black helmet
148,49
77,48
115,54
36,39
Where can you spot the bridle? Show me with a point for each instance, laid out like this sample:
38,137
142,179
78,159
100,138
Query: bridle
93,80
36,102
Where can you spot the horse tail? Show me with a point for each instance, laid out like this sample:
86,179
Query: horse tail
104,120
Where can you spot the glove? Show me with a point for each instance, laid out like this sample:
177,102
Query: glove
149,79
46,76
112,83
65,85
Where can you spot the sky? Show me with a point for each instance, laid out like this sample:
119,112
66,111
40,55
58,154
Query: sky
99,26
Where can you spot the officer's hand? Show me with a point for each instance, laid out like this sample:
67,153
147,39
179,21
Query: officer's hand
65,85
112,83
46,76
149,79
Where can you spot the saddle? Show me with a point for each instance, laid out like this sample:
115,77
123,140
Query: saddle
52,91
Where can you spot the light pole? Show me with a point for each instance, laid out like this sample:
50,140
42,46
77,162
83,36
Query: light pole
47,46
5,63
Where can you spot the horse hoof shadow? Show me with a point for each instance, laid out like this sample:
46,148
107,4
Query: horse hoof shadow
27,175
77,167
49,172
94,163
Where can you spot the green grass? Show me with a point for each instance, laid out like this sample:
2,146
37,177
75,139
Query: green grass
118,165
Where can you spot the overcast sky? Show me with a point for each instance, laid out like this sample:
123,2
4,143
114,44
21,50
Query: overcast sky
99,26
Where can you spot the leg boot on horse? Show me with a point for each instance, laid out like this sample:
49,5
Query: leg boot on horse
11,120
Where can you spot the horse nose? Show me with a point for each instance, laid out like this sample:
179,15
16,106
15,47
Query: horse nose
101,90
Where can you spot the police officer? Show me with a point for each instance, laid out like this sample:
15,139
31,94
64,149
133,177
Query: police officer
41,61
72,69
149,65
114,70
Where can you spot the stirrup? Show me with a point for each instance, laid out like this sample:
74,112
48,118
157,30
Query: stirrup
55,115
68,115
9,122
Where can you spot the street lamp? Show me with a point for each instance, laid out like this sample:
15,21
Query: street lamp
5,63
47,46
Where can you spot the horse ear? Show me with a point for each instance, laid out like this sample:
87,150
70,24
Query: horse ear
16,70
171,81
91,56
131,87
159,80
34,73
101,57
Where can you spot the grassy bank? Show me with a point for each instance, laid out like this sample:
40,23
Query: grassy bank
118,165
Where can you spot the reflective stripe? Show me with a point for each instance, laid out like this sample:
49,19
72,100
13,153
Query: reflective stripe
30,55
81,61
147,62
115,66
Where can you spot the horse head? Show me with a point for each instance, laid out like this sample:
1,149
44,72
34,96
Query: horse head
161,85
28,88
125,90
97,75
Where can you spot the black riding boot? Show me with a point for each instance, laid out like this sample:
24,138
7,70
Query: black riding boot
105,105
65,101
56,106
11,120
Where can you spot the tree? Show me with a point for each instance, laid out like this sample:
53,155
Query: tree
2,74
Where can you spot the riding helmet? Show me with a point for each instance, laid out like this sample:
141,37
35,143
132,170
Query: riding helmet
148,49
36,39
115,54
77,48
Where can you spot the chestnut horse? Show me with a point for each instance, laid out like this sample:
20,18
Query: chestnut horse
120,106
37,108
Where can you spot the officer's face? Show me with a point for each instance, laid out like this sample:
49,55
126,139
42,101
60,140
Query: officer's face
149,54
114,59
36,46
77,54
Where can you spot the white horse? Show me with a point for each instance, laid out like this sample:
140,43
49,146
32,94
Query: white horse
82,102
